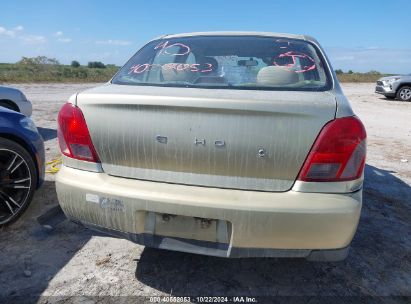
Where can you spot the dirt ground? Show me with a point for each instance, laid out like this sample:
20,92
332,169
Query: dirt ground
52,266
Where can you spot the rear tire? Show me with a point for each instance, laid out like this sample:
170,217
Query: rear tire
18,181
404,93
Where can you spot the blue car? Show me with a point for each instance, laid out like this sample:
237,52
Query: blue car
21,164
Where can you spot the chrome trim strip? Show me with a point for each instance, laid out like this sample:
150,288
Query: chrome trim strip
329,187
82,165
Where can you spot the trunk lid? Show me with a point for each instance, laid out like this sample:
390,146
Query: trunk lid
240,139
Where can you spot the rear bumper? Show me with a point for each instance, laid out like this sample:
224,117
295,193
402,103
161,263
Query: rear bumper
243,223
25,107
40,160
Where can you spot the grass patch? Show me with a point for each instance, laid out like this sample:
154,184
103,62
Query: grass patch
359,77
28,73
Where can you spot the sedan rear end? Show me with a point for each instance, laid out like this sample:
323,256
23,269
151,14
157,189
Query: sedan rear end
224,144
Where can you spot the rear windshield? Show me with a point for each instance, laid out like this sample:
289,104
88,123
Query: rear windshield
233,62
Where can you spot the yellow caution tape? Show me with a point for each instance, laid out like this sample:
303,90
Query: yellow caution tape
53,165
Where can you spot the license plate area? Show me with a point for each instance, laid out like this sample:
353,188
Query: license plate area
187,227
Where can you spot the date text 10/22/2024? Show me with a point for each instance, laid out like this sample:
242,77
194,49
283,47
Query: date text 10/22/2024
202,299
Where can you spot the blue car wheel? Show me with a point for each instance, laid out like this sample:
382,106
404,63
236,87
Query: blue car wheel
18,180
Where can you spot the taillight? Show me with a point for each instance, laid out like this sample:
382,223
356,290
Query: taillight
74,137
338,153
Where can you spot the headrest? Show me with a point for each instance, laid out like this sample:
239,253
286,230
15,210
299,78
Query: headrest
276,76
209,60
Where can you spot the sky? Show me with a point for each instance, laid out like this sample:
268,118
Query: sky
358,35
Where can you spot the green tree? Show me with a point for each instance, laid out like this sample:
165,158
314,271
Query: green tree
39,60
350,72
96,64
75,64
339,72
373,72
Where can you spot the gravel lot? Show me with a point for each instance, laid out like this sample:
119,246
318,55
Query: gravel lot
72,261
